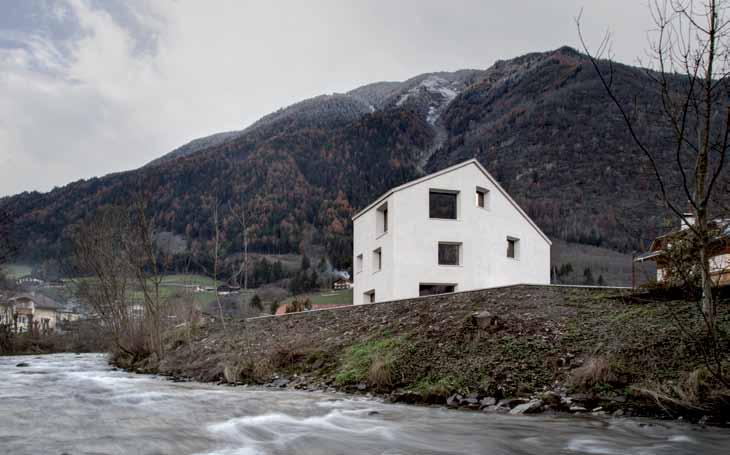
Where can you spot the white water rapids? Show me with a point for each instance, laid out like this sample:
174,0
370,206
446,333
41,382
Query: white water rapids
76,404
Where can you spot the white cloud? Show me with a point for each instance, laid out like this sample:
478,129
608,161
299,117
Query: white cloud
130,81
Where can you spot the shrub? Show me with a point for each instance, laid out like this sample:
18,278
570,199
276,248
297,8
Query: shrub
255,303
359,359
284,357
594,372
436,390
380,374
297,306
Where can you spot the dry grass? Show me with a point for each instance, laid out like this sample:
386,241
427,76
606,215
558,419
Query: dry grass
234,372
595,371
285,357
380,373
297,306
697,390
695,387
262,370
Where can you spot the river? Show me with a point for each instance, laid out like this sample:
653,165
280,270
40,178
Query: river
77,404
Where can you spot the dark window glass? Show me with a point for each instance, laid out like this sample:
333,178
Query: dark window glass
511,248
449,253
480,198
442,205
385,220
372,297
431,289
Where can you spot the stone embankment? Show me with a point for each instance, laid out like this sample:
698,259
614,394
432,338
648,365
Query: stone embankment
520,349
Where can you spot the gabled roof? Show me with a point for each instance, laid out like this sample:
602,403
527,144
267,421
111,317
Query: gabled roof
425,178
40,300
657,245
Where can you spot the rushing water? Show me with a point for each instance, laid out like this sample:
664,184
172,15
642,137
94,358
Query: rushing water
79,405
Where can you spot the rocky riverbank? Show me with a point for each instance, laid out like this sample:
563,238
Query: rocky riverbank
521,349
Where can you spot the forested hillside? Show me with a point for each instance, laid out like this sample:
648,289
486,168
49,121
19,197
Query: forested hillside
540,123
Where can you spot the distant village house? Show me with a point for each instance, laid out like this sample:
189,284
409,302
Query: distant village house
32,311
659,251
341,284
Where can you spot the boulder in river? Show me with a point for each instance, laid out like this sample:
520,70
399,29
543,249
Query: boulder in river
510,403
280,383
22,364
530,407
454,401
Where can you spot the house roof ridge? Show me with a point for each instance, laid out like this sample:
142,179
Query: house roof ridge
454,167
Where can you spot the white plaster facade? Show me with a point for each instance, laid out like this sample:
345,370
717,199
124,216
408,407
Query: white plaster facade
409,249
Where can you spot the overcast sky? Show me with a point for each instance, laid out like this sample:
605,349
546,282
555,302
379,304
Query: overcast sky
89,87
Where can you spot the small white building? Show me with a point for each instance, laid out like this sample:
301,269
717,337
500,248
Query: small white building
454,230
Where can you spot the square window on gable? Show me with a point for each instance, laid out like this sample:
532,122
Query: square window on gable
382,219
482,197
443,204
513,247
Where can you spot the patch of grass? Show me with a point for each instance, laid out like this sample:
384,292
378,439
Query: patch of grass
359,358
338,298
636,313
433,389
189,279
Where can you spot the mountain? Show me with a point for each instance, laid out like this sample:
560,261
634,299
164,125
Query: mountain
541,123
427,94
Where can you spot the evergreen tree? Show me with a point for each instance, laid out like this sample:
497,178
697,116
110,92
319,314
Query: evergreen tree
277,271
313,282
588,277
256,302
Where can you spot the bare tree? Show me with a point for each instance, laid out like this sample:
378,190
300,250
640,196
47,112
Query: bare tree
689,69
239,211
101,256
149,267
216,253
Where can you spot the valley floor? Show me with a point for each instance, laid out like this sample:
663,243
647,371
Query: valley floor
514,349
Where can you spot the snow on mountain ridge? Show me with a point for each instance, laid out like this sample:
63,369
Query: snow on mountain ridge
427,94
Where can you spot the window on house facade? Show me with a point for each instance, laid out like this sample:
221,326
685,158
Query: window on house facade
358,263
433,289
443,204
513,247
377,260
382,219
369,297
449,253
482,198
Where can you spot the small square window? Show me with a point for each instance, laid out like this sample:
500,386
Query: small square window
369,297
382,219
513,247
377,260
358,263
449,253
482,198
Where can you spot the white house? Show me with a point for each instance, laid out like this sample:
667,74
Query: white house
454,230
